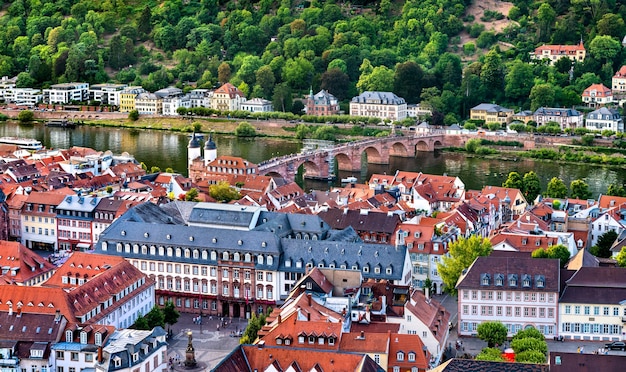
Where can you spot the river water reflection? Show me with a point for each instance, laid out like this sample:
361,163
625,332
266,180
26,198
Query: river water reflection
169,149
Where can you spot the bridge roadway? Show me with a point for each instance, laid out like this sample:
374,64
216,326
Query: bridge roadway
349,155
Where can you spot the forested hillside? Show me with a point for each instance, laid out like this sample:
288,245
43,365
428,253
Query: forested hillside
428,50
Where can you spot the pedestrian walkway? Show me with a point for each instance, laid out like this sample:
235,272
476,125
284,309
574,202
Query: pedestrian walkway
213,338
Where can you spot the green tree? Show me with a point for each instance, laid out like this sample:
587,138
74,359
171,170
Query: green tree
492,74
26,116
133,115
266,80
141,323
407,81
514,181
298,72
529,333
545,17
192,195
528,344
541,95
144,25
244,129
472,145
254,326
556,189
621,257
603,246
518,81
282,99
531,186
170,314
612,25
493,333
336,82
380,79
490,354
303,131
616,190
223,73
604,48
223,192
579,190
462,253
155,317
557,251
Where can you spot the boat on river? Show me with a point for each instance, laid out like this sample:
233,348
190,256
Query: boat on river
61,123
23,143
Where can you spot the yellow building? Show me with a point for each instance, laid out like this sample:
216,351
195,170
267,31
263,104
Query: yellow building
39,222
127,98
491,113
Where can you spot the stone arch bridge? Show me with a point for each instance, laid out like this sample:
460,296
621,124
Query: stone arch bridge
349,155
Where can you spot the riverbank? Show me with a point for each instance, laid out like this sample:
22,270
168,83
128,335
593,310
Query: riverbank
178,124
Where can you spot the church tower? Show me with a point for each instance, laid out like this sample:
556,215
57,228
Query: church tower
210,150
193,149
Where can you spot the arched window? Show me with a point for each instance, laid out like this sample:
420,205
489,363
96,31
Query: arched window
178,252
213,255
205,255
248,257
161,251
152,250
104,246
196,254
225,256
260,259
187,253
236,256
270,260
170,251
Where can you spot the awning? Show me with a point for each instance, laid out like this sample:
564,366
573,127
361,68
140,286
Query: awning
400,290
83,245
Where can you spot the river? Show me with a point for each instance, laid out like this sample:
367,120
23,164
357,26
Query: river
169,149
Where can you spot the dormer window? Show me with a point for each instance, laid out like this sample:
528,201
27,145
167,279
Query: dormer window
526,281
485,279
400,356
512,280
540,281
411,357
499,280
68,336
524,241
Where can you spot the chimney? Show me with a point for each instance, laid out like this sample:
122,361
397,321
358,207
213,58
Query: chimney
19,311
308,316
362,336
57,316
280,319
427,293
308,295
99,354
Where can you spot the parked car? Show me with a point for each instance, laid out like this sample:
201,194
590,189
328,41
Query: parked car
616,345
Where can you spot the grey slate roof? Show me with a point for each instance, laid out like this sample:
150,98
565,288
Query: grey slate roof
491,107
547,111
78,203
325,252
202,214
210,144
150,213
385,98
187,237
604,113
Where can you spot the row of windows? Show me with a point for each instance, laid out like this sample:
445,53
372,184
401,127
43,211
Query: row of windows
587,310
189,253
610,329
39,219
211,288
60,355
73,223
40,231
203,270
73,235
517,311
500,295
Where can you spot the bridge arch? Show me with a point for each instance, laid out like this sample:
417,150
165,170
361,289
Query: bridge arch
373,155
274,174
399,149
344,161
309,169
422,146
438,144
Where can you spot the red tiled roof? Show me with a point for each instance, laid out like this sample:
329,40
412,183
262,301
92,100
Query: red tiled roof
621,73
406,344
599,89
431,313
28,263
